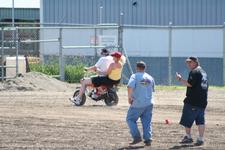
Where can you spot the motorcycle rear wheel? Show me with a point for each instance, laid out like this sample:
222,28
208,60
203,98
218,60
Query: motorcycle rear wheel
111,99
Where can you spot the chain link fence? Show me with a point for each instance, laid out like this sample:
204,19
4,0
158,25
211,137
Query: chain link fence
59,48
164,49
8,47
14,48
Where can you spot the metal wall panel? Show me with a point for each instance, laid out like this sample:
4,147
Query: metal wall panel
146,42
154,42
20,13
136,12
212,66
197,42
158,68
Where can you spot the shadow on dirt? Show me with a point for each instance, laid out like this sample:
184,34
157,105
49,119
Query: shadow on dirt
131,147
183,146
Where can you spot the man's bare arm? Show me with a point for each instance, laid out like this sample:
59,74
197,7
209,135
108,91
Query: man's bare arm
184,82
130,91
92,68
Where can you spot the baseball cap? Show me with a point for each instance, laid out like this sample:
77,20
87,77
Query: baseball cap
192,58
141,64
116,54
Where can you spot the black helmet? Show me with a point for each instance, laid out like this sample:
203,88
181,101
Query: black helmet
105,52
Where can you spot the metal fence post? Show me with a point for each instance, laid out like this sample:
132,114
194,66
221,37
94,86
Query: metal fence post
41,45
95,43
2,53
61,60
120,41
170,55
120,32
17,50
224,54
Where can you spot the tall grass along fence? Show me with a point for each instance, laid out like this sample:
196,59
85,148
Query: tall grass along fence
73,73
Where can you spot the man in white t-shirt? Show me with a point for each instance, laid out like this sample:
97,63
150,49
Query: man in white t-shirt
102,64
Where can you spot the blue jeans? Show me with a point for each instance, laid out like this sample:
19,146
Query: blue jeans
145,113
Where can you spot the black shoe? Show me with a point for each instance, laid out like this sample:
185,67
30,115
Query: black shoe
148,142
199,142
135,141
186,140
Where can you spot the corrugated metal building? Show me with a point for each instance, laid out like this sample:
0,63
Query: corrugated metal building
150,44
21,14
135,12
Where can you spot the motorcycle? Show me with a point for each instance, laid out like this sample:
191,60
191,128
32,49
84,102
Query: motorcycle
108,94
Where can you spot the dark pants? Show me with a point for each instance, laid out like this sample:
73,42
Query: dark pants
192,113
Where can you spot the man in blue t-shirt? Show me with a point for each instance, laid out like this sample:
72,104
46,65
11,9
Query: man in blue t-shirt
140,88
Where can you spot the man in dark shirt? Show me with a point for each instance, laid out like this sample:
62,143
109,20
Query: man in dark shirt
195,101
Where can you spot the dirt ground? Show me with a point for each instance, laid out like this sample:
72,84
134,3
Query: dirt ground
45,119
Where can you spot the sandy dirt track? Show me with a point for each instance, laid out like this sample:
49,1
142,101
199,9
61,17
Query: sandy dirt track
47,120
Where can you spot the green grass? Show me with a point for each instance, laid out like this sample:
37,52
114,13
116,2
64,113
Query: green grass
49,69
174,87
217,87
73,73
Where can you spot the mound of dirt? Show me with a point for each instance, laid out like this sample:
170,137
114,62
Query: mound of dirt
35,81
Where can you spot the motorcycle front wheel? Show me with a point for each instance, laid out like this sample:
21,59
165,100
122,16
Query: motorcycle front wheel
83,99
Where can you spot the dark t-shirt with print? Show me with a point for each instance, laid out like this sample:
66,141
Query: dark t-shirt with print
197,94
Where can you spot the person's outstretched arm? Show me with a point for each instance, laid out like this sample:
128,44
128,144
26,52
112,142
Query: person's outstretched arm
92,68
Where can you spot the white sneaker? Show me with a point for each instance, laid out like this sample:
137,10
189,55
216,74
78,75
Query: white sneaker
94,96
76,100
72,99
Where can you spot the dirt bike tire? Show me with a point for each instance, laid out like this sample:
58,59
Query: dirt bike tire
111,99
83,99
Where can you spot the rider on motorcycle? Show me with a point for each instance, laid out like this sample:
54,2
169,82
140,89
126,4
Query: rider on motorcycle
102,64
113,76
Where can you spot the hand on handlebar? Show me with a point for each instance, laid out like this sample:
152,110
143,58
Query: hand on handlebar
85,68
99,72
